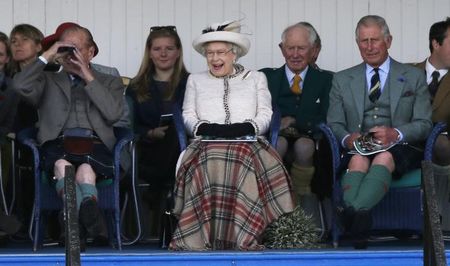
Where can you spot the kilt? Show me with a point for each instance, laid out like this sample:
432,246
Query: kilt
226,194
101,160
407,157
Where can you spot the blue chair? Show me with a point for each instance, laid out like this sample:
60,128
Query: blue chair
437,129
46,198
400,209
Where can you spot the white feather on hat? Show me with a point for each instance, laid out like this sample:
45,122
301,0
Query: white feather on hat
229,31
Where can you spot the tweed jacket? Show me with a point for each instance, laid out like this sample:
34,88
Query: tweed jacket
409,101
247,98
310,108
9,99
441,102
50,93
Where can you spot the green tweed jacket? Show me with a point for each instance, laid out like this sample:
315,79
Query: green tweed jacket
310,107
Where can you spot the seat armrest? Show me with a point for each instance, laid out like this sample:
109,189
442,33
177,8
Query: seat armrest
275,123
437,129
179,127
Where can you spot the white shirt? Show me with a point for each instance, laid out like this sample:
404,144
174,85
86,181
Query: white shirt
429,68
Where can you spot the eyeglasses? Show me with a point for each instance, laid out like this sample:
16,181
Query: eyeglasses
220,53
158,28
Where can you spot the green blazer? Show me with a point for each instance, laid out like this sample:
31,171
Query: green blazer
409,101
441,103
310,107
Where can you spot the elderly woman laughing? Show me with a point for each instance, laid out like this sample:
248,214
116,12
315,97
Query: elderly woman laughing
231,183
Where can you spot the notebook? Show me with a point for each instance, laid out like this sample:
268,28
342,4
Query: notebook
165,120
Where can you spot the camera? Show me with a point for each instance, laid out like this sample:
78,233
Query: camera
66,49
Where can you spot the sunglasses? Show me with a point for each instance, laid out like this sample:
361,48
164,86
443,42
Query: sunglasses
158,28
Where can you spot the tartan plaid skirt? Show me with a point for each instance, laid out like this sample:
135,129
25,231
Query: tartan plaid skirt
226,194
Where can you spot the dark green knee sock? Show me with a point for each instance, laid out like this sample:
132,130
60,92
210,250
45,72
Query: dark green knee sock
373,187
350,183
88,191
60,190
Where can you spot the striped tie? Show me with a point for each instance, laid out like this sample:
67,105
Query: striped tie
375,86
296,89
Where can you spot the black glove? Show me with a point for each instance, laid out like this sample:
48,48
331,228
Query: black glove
226,131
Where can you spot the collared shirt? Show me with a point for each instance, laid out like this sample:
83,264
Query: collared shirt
43,60
382,72
429,69
290,75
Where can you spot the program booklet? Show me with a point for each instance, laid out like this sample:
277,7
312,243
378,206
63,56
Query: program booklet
366,144
250,138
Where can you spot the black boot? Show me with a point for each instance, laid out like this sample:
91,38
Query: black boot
345,217
361,225
93,222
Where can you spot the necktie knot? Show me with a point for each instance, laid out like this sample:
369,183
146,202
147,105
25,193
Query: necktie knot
296,89
76,80
435,75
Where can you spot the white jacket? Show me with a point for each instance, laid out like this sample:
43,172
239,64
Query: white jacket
248,99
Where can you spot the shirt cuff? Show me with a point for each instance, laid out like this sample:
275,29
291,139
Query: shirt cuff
400,135
43,59
343,140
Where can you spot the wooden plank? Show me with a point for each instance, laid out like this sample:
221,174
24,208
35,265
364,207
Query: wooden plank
248,8
394,17
166,10
360,9
102,31
441,9
409,28
68,12
134,31
377,7
327,31
215,12
434,250
279,22
265,41
345,44
425,20
53,16
35,17
20,14
198,23
296,11
118,40
86,14
72,235
6,16
182,22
